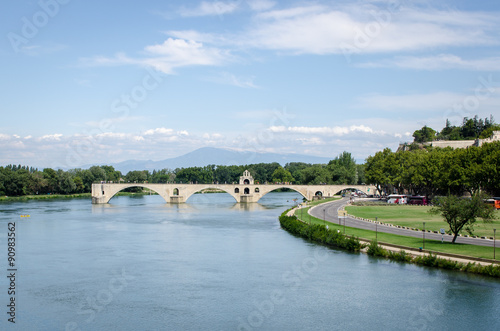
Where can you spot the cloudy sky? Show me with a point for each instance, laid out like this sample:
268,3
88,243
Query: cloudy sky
105,81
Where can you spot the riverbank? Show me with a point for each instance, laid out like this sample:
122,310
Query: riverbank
67,196
319,233
412,217
406,238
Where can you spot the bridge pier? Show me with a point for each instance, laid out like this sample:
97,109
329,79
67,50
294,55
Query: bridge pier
177,199
246,198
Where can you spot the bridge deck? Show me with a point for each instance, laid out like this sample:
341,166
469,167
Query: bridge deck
245,193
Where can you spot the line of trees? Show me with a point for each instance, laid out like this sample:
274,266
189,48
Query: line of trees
471,128
24,180
436,171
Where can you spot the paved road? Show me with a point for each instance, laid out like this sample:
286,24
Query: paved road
330,210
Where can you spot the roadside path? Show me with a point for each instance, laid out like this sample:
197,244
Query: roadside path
330,211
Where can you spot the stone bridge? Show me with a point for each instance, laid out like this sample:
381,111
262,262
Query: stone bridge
246,191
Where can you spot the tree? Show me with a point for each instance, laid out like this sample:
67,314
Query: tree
462,213
424,135
489,131
66,184
343,169
313,175
280,175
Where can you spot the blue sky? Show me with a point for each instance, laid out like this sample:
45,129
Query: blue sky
105,81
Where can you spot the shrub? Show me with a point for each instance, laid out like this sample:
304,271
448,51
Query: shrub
401,256
319,233
375,250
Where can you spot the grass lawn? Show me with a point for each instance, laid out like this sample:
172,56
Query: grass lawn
432,245
413,216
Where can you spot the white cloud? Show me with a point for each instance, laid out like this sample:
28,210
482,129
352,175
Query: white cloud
171,54
317,30
335,131
260,5
163,131
438,62
344,29
52,137
174,53
210,8
358,29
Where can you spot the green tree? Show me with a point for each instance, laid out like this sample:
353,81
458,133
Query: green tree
314,175
281,175
343,169
50,175
489,131
79,186
424,135
462,213
295,169
66,184
376,170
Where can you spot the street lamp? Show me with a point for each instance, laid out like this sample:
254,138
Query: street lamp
424,236
324,217
494,245
344,223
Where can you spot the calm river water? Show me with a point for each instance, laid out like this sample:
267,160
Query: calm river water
211,264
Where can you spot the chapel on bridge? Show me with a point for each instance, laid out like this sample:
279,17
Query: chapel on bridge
246,179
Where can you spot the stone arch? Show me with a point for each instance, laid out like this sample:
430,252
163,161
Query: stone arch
189,193
246,182
246,190
175,191
237,190
318,194
111,193
257,190
277,187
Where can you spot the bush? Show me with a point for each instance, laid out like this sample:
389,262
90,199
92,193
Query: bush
427,260
401,256
375,250
319,234
333,238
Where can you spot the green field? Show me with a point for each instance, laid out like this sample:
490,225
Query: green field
414,216
432,245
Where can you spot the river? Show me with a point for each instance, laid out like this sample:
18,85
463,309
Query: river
210,264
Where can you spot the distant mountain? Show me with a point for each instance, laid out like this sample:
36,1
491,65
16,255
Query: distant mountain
218,156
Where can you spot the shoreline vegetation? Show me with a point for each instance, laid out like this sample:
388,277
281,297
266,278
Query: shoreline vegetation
357,240
68,196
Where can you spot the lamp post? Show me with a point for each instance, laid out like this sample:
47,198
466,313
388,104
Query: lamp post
494,244
324,217
424,237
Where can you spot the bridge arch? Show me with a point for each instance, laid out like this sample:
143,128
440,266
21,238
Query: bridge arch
234,194
263,192
110,191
